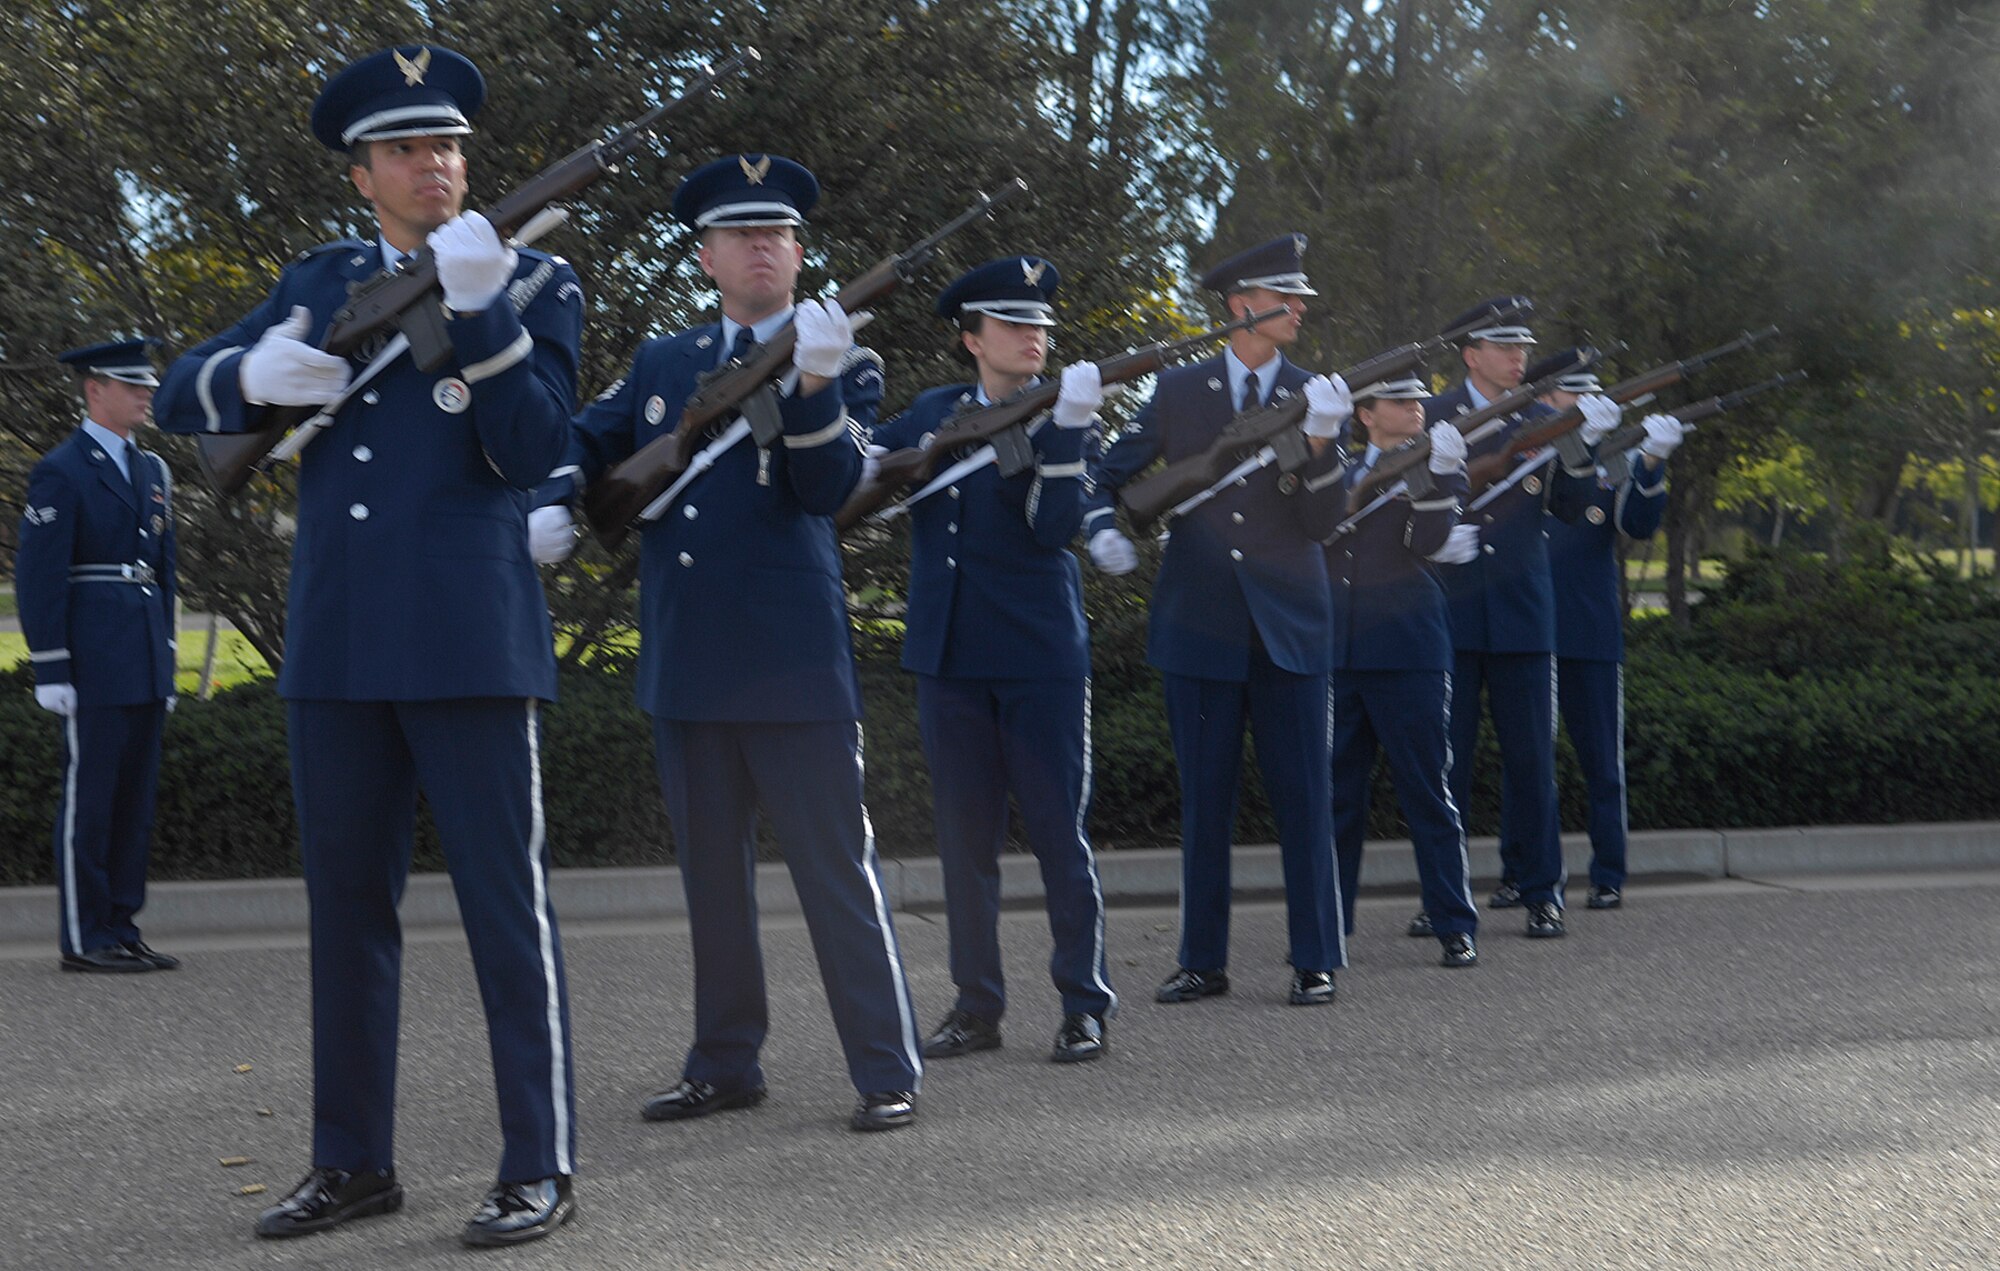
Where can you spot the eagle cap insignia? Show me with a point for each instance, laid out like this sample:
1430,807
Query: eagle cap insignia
413,68
1032,271
754,173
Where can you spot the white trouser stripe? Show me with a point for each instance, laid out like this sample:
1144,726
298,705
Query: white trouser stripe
1555,693
1090,862
1618,741
69,837
558,1076
1444,780
871,870
1326,766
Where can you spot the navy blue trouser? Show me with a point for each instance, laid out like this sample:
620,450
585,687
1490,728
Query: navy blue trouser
1287,718
1523,689
807,778
1407,714
356,770
1591,695
982,739
104,822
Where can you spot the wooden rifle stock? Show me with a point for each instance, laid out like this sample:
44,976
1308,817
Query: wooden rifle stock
913,464
1146,500
617,498
405,299
1392,467
1485,470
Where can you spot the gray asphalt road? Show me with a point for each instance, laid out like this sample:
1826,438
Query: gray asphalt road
1722,1075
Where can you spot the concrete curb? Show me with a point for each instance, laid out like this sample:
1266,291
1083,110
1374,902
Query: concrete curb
245,906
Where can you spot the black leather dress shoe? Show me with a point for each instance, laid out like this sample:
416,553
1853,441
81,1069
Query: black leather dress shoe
1605,898
1420,926
961,1033
153,957
885,1110
1081,1038
515,1213
1545,921
112,959
692,1098
1312,988
1459,950
1505,896
1185,985
328,1197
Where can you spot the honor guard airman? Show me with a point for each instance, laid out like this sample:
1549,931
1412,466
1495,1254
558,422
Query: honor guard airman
1627,502
1496,577
995,633
94,581
1392,660
746,664
418,650
1238,624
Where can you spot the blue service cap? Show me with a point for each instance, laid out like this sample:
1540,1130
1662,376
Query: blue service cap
1013,289
123,360
419,90
1581,380
1278,265
1407,389
744,190
1511,330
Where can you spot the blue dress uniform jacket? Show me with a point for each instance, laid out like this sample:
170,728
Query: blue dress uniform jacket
1583,562
113,640
1388,606
412,507
94,580
994,590
418,655
1503,601
741,602
1590,650
1246,561
995,631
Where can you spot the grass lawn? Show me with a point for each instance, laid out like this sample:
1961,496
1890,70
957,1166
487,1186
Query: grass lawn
235,660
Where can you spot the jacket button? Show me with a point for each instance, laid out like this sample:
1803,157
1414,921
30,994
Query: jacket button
954,492
370,397
1236,518
1489,518
951,562
363,454
1236,553
686,559
359,511
1489,549
690,512
953,527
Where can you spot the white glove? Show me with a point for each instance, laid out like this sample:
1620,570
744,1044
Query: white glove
871,462
473,265
551,534
60,698
1113,553
1328,404
1461,546
1082,393
1663,436
283,370
1600,416
825,334
1448,449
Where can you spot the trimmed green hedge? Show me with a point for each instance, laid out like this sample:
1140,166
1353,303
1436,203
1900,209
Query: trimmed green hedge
1801,694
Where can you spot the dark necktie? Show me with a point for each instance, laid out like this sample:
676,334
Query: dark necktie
739,348
1250,399
133,474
